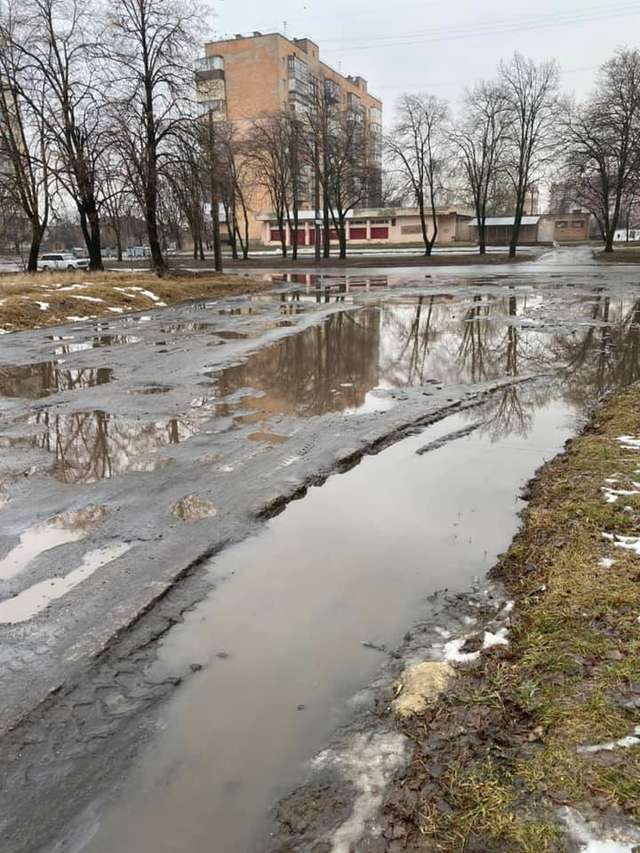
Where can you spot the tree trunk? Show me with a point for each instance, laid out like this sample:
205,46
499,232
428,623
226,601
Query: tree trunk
34,250
342,236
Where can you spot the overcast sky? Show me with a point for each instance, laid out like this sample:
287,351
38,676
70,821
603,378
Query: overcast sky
438,46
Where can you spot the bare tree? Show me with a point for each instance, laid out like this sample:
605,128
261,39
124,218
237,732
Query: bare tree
532,115
480,138
347,171
268,150
24,172
603,144
416,148
151,42
57,49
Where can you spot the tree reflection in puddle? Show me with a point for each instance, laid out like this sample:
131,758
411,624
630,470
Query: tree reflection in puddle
90,446
32,381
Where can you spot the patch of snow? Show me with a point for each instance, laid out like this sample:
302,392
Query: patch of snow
442,632
44,306
630,441
116,310
453,654
75,319
227,469
622,840
622,743
606,562
629,543
497,639
87,298
368,765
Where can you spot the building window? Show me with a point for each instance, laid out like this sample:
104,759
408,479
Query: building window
357,233
378,233
210,63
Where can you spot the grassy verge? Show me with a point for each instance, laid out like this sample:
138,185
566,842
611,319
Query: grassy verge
500,754
45,299
620,255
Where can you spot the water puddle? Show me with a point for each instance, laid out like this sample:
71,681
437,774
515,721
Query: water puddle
95,445
96,343
281,641
34,600
59,530
33,381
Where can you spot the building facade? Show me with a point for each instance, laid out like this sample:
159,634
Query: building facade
248,77
543,228
371,226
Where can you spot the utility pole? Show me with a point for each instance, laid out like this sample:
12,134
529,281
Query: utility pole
215,212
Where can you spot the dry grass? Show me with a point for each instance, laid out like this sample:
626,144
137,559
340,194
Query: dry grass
72,294
510,729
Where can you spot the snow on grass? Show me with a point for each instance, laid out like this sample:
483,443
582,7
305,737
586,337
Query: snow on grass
621,743
43,306
452,653
606,562
629,543
87,298
630,441
497,639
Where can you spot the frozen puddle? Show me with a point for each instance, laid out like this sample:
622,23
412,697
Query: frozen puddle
37,598
280,638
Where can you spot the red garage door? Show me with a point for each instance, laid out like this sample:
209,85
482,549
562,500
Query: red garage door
379,232
357,233
275,235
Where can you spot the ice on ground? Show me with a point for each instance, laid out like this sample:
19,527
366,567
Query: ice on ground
622,743
32,601
497,639
599,840
452,653
368,763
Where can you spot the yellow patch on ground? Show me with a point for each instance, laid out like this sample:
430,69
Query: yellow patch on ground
420,684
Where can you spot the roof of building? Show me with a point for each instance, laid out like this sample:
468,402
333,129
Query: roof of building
507,220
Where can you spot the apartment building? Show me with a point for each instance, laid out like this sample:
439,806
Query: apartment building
246,77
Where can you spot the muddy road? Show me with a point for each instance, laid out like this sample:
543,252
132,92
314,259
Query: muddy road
173,655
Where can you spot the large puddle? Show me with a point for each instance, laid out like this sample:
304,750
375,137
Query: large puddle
277,647
281,639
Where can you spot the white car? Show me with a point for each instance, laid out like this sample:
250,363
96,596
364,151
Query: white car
62,261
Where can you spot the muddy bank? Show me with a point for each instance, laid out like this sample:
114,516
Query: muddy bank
533,743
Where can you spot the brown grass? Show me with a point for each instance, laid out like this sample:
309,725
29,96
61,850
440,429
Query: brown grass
19,294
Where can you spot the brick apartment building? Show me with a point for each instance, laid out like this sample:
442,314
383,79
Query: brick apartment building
246,77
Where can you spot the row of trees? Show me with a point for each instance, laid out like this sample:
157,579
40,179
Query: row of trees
97,112
511,134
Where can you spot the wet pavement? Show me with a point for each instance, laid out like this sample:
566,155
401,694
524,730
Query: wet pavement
209,418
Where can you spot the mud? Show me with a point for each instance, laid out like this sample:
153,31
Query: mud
349,376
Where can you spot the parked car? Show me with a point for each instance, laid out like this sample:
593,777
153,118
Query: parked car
62,261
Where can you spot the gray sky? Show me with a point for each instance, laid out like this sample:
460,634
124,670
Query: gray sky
440,47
